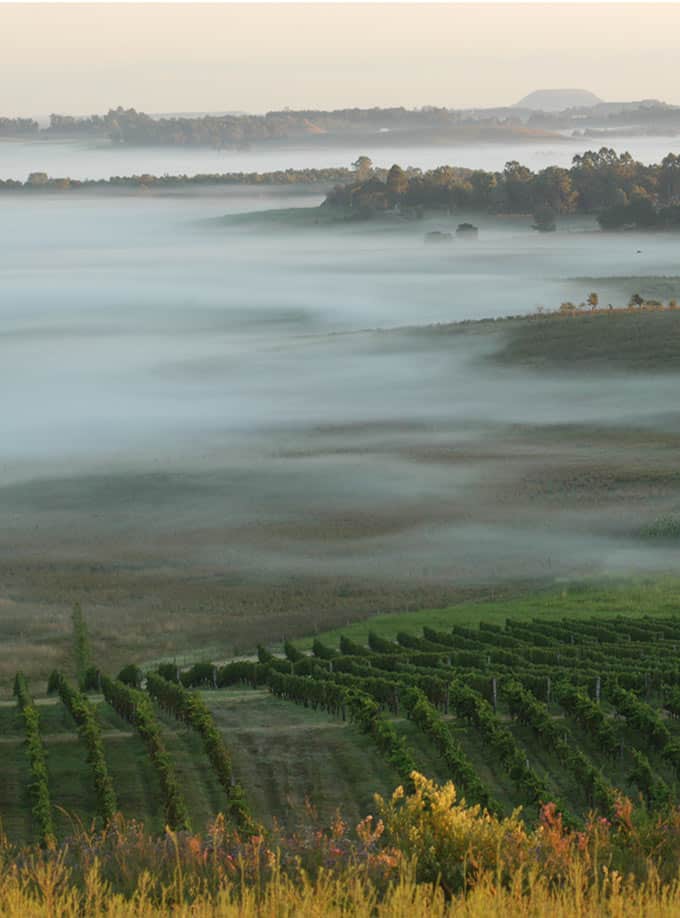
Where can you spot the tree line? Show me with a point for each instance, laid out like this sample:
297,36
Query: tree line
131,127
236,129
41,181
617,188
127,126
18,127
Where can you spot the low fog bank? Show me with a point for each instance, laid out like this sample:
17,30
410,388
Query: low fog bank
230,399
80,160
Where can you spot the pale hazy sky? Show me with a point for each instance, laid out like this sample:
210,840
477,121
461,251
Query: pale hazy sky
79,58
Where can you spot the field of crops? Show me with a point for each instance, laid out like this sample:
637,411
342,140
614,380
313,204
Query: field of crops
575,711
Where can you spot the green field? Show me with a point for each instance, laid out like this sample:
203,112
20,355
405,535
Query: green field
642,597
616,342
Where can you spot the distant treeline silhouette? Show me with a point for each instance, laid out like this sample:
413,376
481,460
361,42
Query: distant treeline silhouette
127,126
427,123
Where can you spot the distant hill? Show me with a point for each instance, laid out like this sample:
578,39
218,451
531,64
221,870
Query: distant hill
556,100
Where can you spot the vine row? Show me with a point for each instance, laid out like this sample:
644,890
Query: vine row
135,707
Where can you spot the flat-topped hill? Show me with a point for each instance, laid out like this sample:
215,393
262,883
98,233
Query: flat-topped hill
556,100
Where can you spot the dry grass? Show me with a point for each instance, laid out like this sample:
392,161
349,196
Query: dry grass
47,894
138,615
429,855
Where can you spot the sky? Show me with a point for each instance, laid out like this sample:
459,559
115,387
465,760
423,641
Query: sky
157,57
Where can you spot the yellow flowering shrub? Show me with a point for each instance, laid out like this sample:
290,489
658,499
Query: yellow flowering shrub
448,840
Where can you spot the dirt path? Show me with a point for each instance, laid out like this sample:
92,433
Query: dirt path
65,737
40,702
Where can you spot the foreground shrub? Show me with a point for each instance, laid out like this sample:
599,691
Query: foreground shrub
448,840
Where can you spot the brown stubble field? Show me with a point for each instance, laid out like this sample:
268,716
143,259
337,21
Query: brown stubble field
144,615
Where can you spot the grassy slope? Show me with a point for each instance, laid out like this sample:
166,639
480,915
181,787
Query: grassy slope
202,792
621,342
285,754
653,597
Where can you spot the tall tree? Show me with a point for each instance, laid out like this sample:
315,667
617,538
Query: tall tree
363,168
397,182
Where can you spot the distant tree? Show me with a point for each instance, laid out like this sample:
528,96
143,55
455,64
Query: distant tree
640,212
554,186
614,217
669,178
484,190
593,300
131,675
636,300
518,188
363,168
397,182
600,176
370,197
544,219
641,209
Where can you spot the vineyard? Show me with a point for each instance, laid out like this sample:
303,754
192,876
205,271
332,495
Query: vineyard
577,712
573,711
